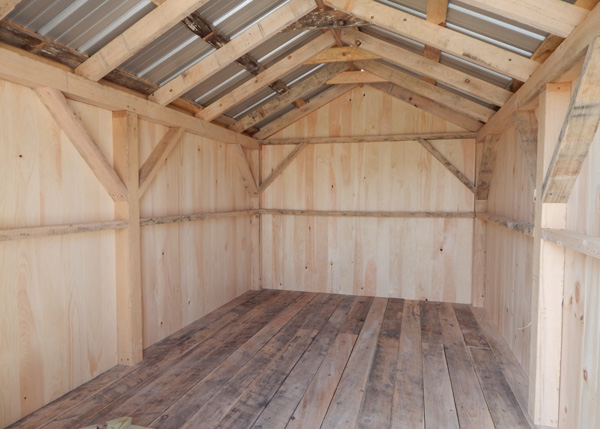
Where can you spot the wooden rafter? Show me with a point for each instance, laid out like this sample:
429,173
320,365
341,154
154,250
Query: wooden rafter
441,96
428,106
552,16
75,130
237,153
136,37
342,54
486,168
277,70
282,166
427,67
578,131
447,40
158,157
315,103
447,163
527,128
436,14
243,43
7,6
314,81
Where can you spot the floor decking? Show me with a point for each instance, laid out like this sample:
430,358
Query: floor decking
274,359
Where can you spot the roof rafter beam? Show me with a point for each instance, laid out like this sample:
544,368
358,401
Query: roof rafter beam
428,106
441,96
242,44
436,14
314,81
453,42
136,37
276,71
424,66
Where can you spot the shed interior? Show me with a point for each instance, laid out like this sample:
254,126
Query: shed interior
175,169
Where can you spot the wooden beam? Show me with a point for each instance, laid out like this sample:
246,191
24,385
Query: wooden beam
527,128
136,37
441,96
281,167
552,16
26,69
437,11
237,153
276,71
578,131
128,241
53,230
560,62
355,77
243,43
69,122
446,163
371,138
486,168
341,55
421,65
279,102
428,106
312,105
7,6
158,157
450,41
379,214
523,227
165,220
582,243
327,19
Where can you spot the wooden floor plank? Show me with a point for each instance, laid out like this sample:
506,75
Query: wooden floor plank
438,398
280,409
469,327
472,409
376,410
407,411
346,403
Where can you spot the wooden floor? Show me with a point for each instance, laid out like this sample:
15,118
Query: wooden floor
274,359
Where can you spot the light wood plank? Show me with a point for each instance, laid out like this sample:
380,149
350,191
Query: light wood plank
296,91
136,37
282,166
527,128
437,11
479,271
446,163
378,214
52,230
552,16
486,168
271,74
440,96
157,158
424,66
369,138
314,104
342,54
243,43
578,131
429,106
581,243
128,241
243,167
7,6
512,224
194,217
355,77
23,68
57,106
447,40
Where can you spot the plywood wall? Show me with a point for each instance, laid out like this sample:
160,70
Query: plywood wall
57,294
427,258
509,253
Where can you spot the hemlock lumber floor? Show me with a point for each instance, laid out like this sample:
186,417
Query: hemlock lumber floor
275,359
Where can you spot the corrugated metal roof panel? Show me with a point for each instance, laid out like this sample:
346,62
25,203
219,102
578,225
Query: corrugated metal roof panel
299,74
275,116
414,7
395,39
254,102
475,70
219,84
280,45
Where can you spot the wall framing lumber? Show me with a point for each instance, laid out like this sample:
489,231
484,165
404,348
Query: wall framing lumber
164,220
314,104
578,131
158,157
447,40
282,166
486,168
128,241
244,168
428,67
527,128
478,271
271,74
581,243
243,43
441,96
523,227
53,230
26,69
367,139
428,106
375,214
136,37
59,109
446,163
552,16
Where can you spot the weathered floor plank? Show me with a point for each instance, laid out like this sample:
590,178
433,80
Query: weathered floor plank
275,359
